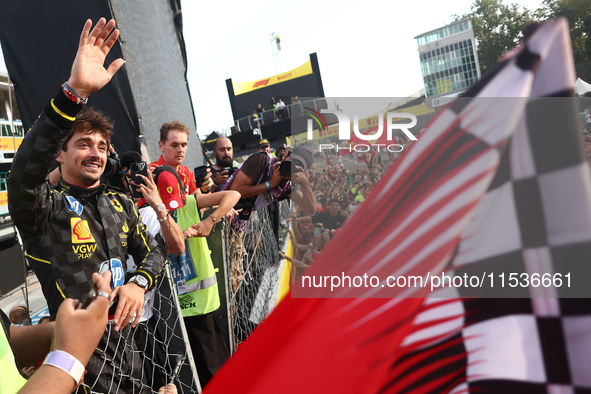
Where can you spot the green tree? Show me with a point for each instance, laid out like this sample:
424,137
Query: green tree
497,28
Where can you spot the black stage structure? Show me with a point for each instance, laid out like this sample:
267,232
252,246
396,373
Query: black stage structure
245,97
39,42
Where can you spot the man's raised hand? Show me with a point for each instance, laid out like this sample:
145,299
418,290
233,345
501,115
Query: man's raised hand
88,71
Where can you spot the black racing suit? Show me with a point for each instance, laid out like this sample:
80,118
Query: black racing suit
70,232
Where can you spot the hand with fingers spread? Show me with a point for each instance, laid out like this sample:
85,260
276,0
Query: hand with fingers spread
88,72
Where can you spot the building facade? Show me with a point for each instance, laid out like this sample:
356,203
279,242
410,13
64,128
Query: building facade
449,61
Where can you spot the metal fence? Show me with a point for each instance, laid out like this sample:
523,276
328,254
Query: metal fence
289,111
145,358
253,267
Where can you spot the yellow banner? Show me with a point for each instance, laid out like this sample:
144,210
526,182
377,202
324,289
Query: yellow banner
245,87
3,198
6,143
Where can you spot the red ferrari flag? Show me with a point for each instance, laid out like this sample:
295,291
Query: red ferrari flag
464,270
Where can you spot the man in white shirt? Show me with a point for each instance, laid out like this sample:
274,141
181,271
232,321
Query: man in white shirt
281,110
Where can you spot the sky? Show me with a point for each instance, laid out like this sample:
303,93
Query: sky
365,48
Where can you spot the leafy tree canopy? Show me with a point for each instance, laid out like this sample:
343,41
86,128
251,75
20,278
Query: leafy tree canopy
498,28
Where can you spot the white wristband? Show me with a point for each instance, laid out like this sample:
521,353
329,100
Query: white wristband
67,363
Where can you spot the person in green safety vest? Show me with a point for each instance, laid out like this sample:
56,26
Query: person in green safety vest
193,272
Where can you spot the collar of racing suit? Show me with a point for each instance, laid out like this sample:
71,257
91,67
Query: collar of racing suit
80,192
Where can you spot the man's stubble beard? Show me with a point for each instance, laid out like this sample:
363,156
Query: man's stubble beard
225,162
88,179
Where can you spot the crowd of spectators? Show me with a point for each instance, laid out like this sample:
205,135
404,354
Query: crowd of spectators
339,192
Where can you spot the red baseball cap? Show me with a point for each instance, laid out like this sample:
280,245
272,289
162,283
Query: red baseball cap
170,187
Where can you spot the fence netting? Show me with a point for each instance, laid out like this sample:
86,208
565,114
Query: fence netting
253,267
145,358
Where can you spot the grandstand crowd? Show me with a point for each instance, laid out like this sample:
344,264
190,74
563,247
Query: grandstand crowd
339,191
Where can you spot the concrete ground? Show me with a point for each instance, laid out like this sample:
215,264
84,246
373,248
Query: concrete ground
37,304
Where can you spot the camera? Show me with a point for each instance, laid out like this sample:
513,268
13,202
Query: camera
287,168
112,166
111,174
229,169
245,207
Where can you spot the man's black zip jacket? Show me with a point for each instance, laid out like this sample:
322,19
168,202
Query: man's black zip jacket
69,232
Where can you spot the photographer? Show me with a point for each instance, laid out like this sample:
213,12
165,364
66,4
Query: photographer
280,150
154,212
223,152
260,181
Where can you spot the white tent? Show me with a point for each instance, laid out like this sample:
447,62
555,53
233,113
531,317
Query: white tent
582,87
